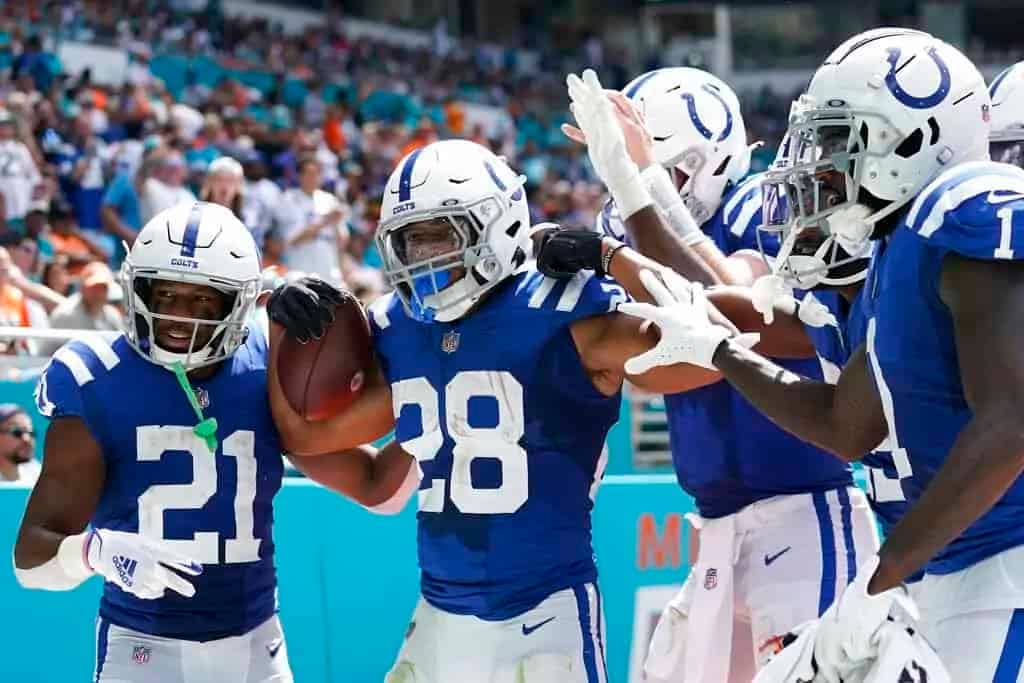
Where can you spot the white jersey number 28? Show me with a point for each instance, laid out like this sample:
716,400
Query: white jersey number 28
498,442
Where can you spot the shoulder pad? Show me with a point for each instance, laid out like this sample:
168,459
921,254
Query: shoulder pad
974,209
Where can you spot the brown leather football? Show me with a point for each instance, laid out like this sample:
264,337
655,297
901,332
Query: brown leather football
322,377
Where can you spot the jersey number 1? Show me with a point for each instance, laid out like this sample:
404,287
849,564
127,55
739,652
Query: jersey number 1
151,444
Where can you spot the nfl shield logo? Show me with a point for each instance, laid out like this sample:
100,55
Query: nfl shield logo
710,579
450,342
985,116
203,396
140,654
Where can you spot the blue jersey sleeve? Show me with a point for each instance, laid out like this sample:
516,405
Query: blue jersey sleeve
735,224
58,393
974,209
67,387
582,296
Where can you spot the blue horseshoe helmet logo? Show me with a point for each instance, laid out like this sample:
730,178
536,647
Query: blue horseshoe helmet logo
906,98
691,108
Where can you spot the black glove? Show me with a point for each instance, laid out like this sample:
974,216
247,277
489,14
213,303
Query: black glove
305,307
563,253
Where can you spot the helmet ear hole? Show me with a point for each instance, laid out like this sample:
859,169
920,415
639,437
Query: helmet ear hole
722,166
911,144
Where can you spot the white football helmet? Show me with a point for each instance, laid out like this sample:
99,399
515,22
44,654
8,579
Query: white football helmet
887,112
474,196
1006,140
698,131
198,243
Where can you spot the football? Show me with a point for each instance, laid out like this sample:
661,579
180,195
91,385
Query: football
322,377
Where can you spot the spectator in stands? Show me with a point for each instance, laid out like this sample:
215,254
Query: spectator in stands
19,174
69,240
17,446
261,196
312,224
223,185
273,251
165,187
56,276
35,64
89,308
13,303
25,255
17,309
121,211
82,178
37,227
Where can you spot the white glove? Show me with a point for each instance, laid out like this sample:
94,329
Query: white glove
766,292
606,144
813,313
138,565
687,334
848,633
769,291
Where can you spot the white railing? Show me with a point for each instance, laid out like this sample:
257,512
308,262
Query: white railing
648,428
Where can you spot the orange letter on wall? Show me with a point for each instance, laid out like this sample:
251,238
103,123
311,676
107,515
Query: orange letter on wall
654,550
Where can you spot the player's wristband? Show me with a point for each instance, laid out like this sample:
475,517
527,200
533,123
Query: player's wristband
607,256
630,194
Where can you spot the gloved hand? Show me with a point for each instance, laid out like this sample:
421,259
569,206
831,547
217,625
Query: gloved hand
606,144
848,631
139,565
563,253
687,333
769,291
305,307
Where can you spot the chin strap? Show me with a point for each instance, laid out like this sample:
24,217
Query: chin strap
207,427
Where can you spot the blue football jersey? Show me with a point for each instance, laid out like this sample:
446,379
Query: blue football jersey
164,482
726,453
886,471
975,210
509,432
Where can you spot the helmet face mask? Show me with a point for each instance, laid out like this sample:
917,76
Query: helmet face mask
223,258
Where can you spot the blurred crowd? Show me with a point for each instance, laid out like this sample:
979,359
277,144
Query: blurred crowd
84,164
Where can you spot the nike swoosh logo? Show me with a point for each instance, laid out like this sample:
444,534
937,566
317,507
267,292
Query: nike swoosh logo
994,198
768,559
274,647
527,630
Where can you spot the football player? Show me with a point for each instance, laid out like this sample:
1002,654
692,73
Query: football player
502,384
782,526
890,142
1007,135
162,462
